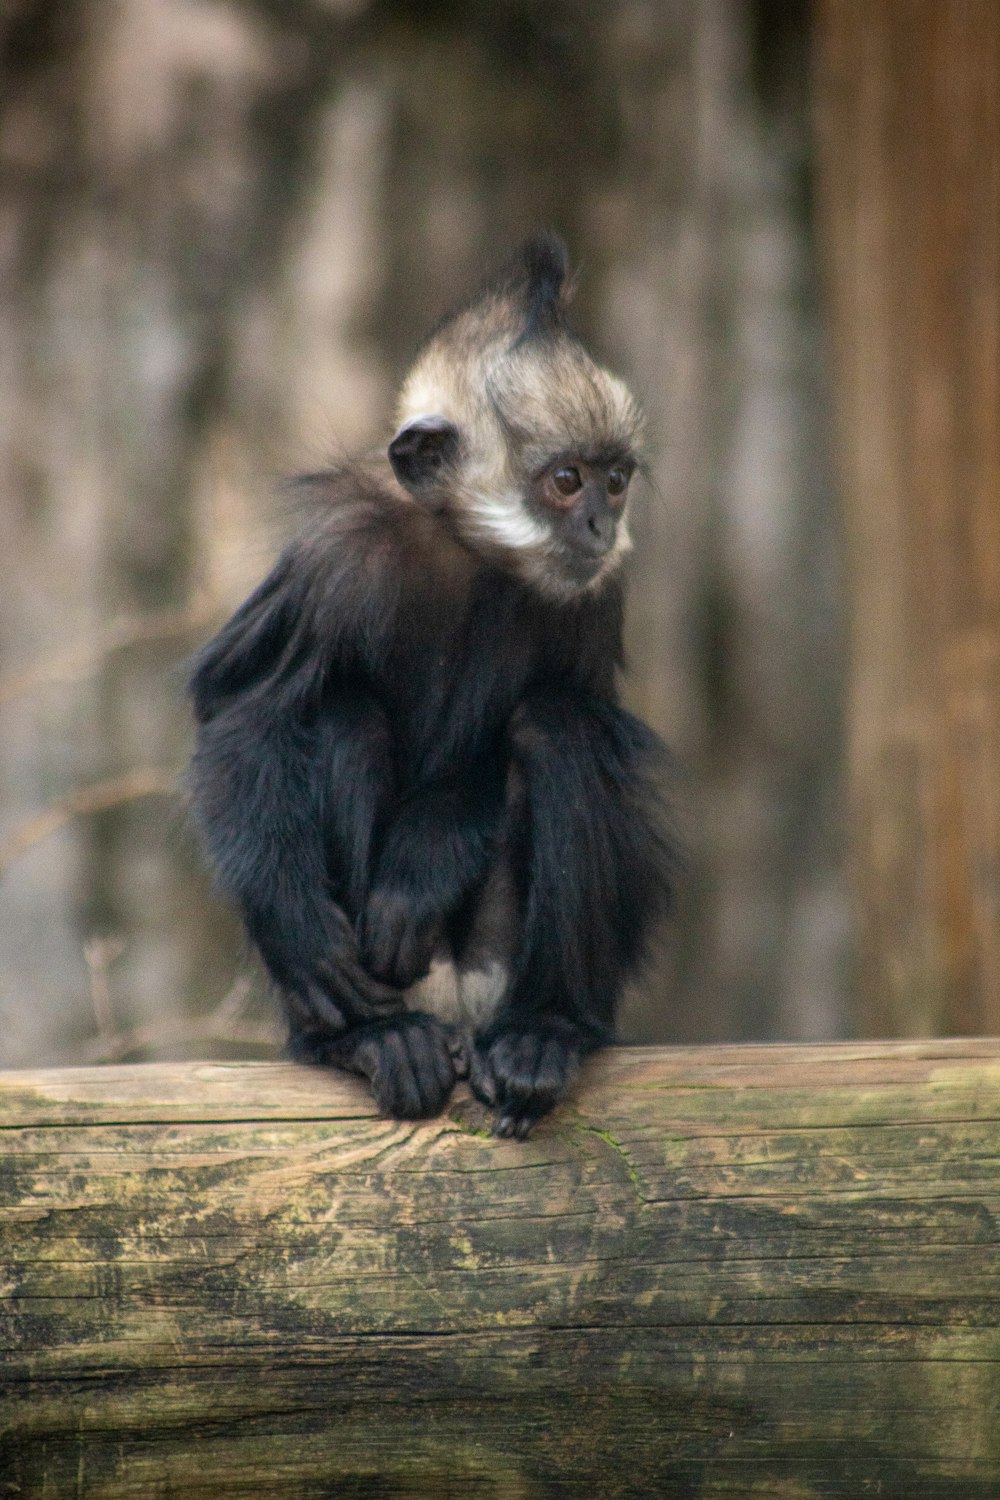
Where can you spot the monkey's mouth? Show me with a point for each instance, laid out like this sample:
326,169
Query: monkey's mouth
581,567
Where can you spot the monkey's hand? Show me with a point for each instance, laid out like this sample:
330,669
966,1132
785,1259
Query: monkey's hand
435,853
396,940
523,1069
410,1060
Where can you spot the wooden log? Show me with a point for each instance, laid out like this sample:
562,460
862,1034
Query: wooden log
731,1271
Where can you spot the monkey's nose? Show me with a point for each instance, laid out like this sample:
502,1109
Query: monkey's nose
598,533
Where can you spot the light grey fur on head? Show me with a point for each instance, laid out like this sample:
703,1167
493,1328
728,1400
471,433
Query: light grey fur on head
519,397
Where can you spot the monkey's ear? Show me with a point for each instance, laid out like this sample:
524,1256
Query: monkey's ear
420,450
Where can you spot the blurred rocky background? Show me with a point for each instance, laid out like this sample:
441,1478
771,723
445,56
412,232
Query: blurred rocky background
225,224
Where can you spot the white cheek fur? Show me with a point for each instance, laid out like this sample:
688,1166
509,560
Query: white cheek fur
502,518
499,521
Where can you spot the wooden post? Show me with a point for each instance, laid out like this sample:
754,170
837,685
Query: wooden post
732,1271
909,198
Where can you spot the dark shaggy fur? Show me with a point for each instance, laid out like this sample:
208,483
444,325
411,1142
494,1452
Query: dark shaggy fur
407,756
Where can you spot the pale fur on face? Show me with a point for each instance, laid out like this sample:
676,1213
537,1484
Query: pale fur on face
518,405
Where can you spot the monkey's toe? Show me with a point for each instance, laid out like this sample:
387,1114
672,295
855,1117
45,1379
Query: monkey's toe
523,1073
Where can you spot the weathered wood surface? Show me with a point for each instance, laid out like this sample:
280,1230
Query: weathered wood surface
736,1271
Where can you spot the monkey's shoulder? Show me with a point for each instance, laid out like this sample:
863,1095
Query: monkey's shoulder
369,544
331,594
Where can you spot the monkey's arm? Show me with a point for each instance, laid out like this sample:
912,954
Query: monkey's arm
594,863
262,779
291,780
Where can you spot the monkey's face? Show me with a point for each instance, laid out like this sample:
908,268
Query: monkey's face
581,502
514,434
553,513
557,521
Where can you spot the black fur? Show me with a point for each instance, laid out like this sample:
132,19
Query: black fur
408,747
361,720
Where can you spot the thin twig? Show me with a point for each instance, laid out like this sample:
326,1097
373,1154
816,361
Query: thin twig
86,657
100,953
225,1023
142,781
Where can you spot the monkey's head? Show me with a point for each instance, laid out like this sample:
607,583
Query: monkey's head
513,433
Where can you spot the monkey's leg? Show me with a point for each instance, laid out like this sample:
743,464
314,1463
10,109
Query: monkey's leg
436,849
429,852
591,865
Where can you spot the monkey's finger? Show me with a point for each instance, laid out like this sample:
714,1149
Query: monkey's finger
433,1062
415,1073
481,1079
460,1051
393,1083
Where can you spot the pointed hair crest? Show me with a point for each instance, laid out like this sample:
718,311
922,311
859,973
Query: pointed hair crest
538,273
509,356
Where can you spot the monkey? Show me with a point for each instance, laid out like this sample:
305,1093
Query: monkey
412,772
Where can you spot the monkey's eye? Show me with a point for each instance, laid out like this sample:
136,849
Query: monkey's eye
617,481
567,481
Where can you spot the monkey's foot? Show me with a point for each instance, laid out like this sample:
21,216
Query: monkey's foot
408,1060
523,1070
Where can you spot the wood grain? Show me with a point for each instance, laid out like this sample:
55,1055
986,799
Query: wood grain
908,193
735,1271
